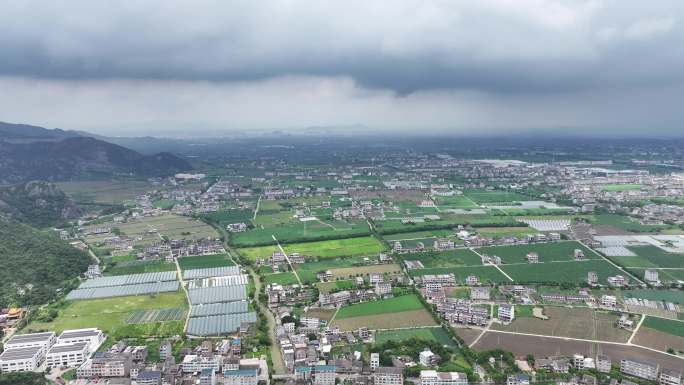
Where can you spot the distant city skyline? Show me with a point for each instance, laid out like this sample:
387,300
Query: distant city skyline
491,67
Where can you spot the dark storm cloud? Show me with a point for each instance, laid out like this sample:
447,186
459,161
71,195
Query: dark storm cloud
129,67
405,46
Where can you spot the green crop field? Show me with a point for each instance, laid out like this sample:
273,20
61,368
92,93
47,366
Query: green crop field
383,306
673,327
455,202
485,273
348,247
205,261
448,258
326,287
136,267
436,334
665,275
626,223
111,315
300,232
252,253
489,197
446,221
658,257
418,235
502,232
632,261
274,219
560,272
548,252
228,216
287,278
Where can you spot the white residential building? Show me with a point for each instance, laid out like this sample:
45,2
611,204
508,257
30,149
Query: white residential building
92,336
324,375
71,354
194,363
581,362
207,377
603,363
592,278
42,340
426,358
651,276
506,313
670,377
382,289
240,377
639,369
103,366
375,278
310,322
432,377
21,359
608,300
617,281
374,360
532,257
388,376
518,379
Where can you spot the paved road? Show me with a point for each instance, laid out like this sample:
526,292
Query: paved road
287,258
187,295
497,267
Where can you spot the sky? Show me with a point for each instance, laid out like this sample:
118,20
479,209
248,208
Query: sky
485,67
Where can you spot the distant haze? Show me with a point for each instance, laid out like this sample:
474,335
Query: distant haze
485,67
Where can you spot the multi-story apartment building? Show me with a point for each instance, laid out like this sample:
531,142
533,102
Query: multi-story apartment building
240,377
21,359
432,377
388,376
639,369
92,336
69,354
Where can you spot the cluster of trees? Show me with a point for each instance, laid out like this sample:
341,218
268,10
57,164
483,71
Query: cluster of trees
38,204
23,378
36,264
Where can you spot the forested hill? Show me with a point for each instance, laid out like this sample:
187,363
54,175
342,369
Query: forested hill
35,153
35,264
38,204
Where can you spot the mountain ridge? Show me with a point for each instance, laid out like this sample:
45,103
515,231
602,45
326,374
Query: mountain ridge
35,153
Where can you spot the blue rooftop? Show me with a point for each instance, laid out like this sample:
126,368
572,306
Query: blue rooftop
241,372
149,375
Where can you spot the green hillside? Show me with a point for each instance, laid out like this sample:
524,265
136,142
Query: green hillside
35,264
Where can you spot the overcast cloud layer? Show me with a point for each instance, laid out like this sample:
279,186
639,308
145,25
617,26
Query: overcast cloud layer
461,67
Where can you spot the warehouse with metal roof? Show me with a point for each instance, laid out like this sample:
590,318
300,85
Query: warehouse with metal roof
130,279
221,271
217,294
218,325
122,291
209,309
